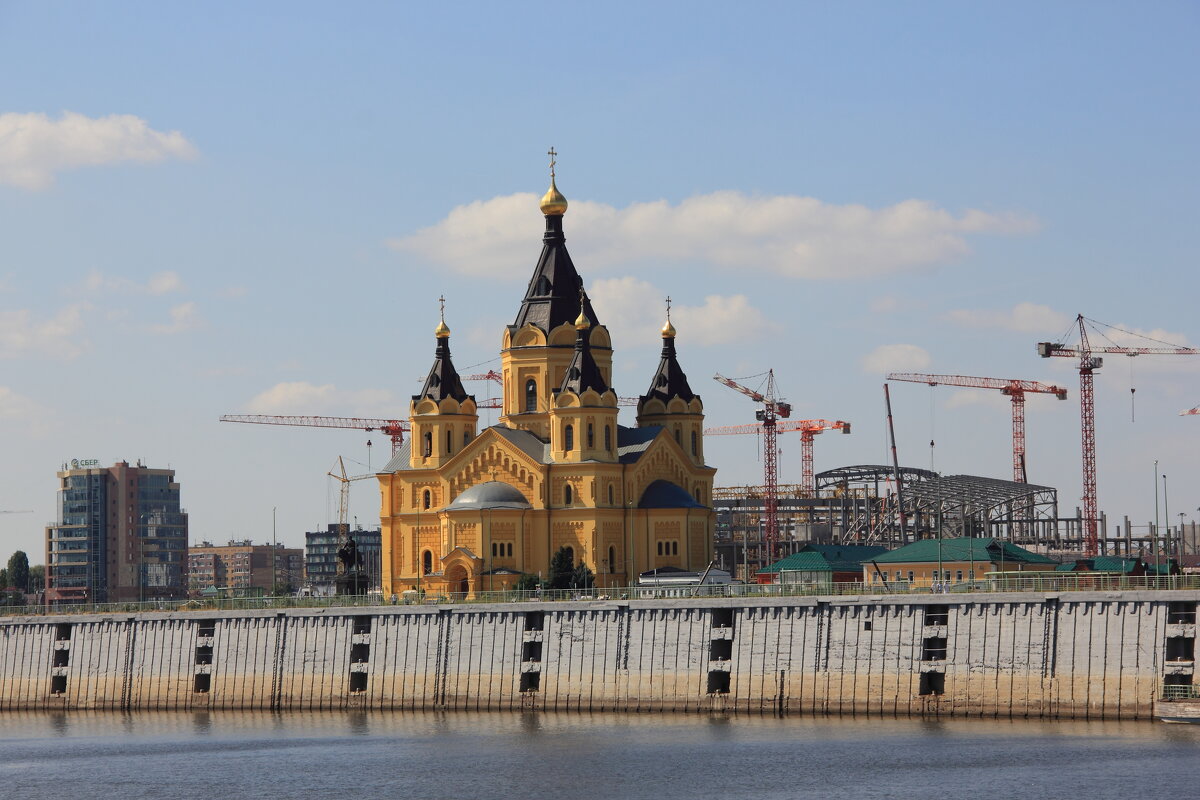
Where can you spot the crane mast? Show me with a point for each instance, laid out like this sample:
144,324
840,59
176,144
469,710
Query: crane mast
1087,365
773,409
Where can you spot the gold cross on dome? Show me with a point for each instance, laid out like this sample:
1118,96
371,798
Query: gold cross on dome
442,307
551,152
668,308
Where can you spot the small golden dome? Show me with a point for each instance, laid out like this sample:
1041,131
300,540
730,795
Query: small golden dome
442,331
553,203
582,323
668,330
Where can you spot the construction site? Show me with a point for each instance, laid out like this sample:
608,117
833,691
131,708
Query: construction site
893,505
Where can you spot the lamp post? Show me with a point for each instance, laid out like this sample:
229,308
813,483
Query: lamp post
1166,512
1155,540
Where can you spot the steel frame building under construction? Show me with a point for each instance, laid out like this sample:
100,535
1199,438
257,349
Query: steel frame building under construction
863,504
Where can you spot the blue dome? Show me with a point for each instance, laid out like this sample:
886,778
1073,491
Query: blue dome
664,494
490,494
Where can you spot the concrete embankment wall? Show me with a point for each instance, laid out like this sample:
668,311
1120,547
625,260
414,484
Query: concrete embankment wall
1102,655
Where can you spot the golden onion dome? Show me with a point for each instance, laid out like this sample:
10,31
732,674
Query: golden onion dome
553,203
582,323
668,330
442,331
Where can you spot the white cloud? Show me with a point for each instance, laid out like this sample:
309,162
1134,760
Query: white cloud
1021,318
15,406
33,147
799,237
885,304
302,397
634,311
159,283
183,318
896,358
58,337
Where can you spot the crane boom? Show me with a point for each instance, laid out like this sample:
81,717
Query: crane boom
1006,385
1015,388
394,428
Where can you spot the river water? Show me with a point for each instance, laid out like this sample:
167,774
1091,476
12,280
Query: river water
372,756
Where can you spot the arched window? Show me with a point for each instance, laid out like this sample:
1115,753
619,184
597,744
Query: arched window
509,553
427,447
591,437
466,438
608,438
427,498
426,562
612,559
568,495
675,548
677,438
693,443
610,494
660,548
449,443
569,438
531,395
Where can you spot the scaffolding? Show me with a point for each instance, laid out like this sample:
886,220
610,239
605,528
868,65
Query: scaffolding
858,505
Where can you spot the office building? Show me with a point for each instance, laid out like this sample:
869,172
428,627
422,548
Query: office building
120,535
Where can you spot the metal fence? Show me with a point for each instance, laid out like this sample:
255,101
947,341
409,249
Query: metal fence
992,582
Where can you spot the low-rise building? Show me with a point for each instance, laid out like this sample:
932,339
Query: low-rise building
951,561
243,567
821,565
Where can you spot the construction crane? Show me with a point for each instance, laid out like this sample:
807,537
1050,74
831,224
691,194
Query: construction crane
808,428
15,512
1014,388
773,409
1088,364
1189,411
344,497
496,377
393,428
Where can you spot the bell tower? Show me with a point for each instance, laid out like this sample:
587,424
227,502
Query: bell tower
538,347
443,416
670,401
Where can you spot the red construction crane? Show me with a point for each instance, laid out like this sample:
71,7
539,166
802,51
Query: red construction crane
496,377
1187,412
808,428
1014,388
394,428
773,409
1088,364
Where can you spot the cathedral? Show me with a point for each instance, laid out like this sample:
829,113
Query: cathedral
467,511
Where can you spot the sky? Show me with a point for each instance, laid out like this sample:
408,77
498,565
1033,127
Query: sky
223,208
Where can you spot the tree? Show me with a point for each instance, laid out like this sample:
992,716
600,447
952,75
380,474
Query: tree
527,583
562,566
18,571
37,577
3,578
582,577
